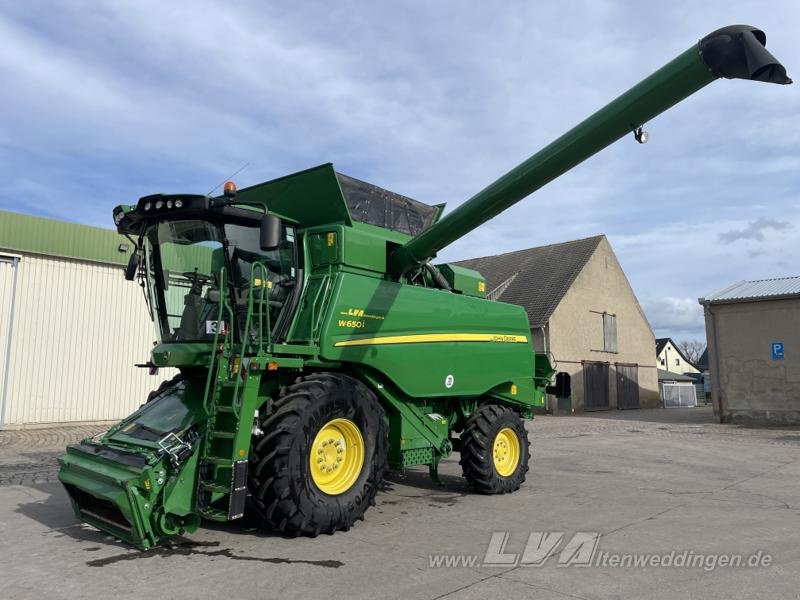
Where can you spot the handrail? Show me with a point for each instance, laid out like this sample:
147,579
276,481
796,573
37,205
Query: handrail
263,271
222,303
260,269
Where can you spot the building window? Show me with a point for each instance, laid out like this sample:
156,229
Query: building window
609,332
677,362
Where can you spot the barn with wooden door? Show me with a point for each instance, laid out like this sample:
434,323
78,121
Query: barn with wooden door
71,327
583,311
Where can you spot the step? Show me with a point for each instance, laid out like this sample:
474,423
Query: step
224,435
215,487
219,461
227,400
212,514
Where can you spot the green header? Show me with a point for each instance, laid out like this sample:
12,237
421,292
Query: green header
38,235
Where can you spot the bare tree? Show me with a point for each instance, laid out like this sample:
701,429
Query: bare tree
692,349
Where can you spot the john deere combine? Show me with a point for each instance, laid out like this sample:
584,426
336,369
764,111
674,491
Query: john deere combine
318,345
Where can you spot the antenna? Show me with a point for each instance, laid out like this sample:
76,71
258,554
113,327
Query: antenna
231,176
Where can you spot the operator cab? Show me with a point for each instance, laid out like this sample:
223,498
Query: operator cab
186,242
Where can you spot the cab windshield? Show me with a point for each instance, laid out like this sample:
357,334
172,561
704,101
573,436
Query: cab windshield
184,259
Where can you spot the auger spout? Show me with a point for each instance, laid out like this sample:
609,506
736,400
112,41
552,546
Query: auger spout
734,52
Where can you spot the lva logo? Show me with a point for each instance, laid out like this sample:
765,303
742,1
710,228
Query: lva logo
577,551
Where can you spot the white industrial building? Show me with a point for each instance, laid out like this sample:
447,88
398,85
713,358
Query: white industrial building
71,327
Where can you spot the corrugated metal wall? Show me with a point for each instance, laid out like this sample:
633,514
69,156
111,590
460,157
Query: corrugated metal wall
79,328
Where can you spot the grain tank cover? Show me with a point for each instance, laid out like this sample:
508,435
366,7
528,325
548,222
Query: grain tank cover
376,206
309,198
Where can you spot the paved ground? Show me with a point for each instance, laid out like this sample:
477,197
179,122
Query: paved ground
651,482
28,456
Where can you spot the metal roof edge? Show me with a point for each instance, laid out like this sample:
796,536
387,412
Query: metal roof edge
44,236
725,290
19,253
708,301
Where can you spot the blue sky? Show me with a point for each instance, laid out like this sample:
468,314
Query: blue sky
106,102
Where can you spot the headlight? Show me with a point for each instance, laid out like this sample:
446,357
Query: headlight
159,204
169,203
148,205
178,203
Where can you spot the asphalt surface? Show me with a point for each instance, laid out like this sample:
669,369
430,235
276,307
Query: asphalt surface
650,483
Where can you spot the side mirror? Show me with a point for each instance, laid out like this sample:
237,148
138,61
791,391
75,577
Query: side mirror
133,266
270,237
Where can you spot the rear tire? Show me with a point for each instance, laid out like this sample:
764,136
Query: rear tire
287,495
495,450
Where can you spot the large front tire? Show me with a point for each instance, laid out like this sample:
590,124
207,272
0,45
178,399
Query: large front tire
322,456
495,450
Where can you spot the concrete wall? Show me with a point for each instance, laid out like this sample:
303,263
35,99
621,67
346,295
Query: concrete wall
746,384
77,330
667,357
576,329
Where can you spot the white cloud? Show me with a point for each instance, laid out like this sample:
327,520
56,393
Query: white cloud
754,230
676,317
110,101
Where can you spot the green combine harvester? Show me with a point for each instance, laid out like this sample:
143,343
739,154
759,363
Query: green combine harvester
318,346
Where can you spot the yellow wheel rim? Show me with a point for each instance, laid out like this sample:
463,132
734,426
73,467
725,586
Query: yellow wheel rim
337,456
506,452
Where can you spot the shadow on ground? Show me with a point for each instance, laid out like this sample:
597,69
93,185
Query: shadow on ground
701,415
54,511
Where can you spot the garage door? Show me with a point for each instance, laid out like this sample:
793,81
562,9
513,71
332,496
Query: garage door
8,269
627,386
595,386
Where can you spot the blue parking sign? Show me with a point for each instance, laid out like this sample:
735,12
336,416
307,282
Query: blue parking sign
777,350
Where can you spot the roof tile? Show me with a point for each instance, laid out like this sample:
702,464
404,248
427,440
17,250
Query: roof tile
543,274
